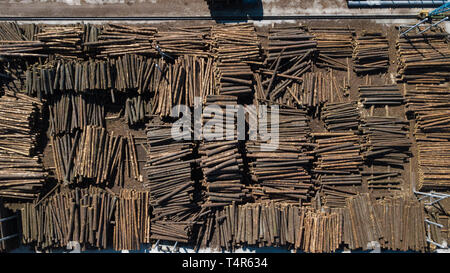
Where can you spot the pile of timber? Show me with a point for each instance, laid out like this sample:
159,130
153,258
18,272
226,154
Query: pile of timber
340,116
222,166
380,95
333,43
428,104
9,230
288,56
383,183
221,160
365,226
189,40
21,172
397,223
427,98
62,75
370,53
235,43
272,225
11,31
387,141
21,48
187,78
280,166
19,121
423,59
137,109
21,177
82,215
171,184
62,40
94,155
116,40
69,112
179,83
338,164
18,40
233,79
315,89
433,165
132,220
402,223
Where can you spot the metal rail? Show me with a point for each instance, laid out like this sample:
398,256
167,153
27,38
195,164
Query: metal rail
396,4
219,18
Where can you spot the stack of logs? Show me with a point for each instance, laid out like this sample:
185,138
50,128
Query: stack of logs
91,216
233,79
338,165
132,220
62,40
380,95
280,166
273,224
95,155
423,58
220,151
116,40
82,215
179,41
429,105
235,43
69,112
21,172
371,53
288,57
170,182
396,223
340,116
333,43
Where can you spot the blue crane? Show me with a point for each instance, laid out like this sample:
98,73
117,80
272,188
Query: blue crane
440,14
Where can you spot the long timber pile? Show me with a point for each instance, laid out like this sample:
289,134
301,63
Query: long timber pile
289,56
235,79
340,116
333,43
272,224
69,112
396,223
280,168
221,159
387,139
423,58
337,168
179,41
170,183
21,172
116,40
380,95
235,43
132,220
94,155
82,215
428,104
371,53
19,41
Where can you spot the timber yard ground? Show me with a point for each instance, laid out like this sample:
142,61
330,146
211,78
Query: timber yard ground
407,173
